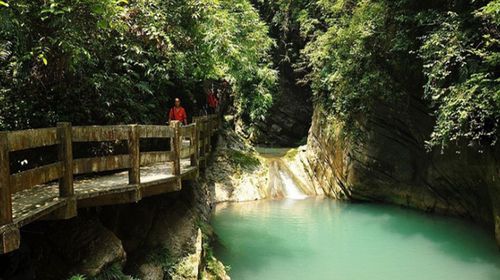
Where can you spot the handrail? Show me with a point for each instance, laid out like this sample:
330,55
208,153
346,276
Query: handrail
64,135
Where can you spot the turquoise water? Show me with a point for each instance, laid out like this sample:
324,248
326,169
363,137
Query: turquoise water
324,239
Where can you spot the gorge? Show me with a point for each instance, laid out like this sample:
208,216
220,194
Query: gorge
352,139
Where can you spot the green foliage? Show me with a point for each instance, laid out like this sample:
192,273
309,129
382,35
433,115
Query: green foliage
350,70
461,66
363,53
112,272
119,61
238,45
161,256
292,154
243,160
78,277
213,267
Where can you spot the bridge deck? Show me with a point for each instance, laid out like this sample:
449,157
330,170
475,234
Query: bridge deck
57,190
30,204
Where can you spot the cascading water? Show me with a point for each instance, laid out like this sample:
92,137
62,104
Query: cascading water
282,183
291,189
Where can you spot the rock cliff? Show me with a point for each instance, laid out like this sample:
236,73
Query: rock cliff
389,163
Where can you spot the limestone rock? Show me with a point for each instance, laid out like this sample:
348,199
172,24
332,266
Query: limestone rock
230,178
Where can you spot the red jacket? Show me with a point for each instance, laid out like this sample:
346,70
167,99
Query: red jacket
178,114
212,100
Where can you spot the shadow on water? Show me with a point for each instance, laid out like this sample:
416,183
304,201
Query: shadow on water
458,239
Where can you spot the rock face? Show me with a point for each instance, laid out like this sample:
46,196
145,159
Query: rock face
237,173
155,239
289,117
288,121
235,177
390,164
78,246
162,234
188,267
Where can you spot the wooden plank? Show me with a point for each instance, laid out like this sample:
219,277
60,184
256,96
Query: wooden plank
128,195
99,164
36,213
65,154
5,189
67,211
203,142
156,131
160,187
187,130
33,177
100,133
32,138
187,152
10,238
194,143
190,173
176,147
209,137
148,158
134,172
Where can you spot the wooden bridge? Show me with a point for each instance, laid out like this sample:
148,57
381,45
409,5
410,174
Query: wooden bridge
51,192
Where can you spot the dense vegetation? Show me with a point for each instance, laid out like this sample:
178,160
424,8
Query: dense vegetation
364,52
119,61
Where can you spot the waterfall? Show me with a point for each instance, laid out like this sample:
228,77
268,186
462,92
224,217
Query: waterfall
291,189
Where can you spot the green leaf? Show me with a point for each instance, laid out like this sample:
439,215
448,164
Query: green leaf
43,58
5,4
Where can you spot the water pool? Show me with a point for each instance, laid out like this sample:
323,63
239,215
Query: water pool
324,239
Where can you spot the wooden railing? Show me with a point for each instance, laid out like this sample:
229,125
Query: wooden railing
191,141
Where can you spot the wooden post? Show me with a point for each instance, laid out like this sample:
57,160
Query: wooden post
204,140
209,134
194,143
65,154
134,172
176,147
5,196
10,238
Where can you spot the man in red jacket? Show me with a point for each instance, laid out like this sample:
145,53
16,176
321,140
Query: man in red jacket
177,113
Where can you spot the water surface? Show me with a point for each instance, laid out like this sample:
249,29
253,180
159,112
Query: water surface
324,239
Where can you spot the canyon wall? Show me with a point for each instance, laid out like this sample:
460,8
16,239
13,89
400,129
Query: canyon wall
388,163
